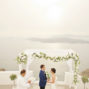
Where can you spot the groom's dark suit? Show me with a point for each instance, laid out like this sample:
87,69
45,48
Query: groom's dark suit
43,79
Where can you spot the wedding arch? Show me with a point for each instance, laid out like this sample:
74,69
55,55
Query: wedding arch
23,57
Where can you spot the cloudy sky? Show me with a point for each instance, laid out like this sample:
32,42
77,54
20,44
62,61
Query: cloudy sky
44,18
26,24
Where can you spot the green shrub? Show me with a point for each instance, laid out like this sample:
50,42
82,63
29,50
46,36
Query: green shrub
85,80
13,77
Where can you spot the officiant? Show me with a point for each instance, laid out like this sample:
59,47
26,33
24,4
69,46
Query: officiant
21,81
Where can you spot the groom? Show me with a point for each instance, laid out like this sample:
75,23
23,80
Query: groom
42,76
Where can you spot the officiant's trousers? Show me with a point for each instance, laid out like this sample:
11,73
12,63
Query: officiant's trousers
42,87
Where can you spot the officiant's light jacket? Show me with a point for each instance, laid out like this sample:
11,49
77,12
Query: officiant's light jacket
22,83
43,79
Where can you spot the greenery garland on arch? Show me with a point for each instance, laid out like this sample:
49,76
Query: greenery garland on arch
22,58
69,56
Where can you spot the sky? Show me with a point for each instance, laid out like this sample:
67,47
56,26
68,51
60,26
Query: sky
48,24
43,19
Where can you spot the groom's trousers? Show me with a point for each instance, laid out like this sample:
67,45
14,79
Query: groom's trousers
42,87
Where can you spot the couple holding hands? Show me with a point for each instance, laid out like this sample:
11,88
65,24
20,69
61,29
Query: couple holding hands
43,78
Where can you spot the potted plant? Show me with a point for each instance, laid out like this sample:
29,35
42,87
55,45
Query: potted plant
13,77
85,80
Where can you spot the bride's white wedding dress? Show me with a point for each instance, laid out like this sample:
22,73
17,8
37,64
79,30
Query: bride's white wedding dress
53,85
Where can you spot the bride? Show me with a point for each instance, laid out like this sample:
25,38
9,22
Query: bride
53,78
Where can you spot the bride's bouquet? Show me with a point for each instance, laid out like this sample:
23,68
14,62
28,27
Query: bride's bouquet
48,75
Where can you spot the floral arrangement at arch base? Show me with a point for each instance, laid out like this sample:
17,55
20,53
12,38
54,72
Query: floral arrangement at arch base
72,56
22,58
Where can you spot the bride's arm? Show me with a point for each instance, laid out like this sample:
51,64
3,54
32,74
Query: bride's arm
53,80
